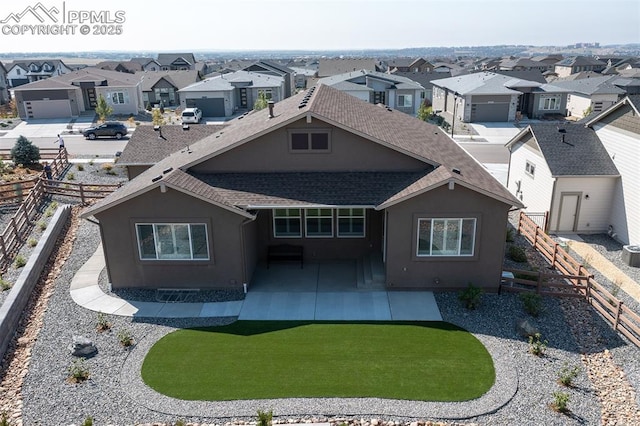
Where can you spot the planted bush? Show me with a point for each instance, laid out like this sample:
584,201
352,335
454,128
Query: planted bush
471,296
517,254
532,303
265,418
103,323
20,261
4,284
560,401
567,374
78,371
537,346
125,337
25,152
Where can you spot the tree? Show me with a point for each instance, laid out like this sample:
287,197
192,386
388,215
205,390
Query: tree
103,109
25,152
425,112
262,101
156,117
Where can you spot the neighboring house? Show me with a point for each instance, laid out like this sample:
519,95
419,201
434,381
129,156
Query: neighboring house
322,171
576,64
563,169
224,95
333,66
151,144
418,65
588,95
4,86
548,60
176,61
618,127
30,70
71,94
424,79
302,76
375,87
272,68
148,64
488,97
121,66
522,64
445,67
161,87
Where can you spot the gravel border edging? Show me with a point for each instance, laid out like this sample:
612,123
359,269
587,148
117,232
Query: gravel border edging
500,394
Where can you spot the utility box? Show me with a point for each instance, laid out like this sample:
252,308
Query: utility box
631,255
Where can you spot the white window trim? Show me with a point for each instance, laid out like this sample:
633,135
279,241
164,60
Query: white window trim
543,103
352,216
309,132
274,217
307,217
530,168
155,241
404,101
461,220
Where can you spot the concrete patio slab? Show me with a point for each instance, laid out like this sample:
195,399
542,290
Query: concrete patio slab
352,306
337,276
105,304
221,309
140,309
413,306
284,306
85,295
285,277
180,310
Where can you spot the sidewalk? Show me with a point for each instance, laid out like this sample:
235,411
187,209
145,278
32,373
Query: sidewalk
604,266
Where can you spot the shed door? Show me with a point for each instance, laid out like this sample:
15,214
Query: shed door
567,220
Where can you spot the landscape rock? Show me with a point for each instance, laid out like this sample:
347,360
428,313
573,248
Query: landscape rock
82,347
525,329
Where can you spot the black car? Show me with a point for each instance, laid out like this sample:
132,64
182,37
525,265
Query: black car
111,129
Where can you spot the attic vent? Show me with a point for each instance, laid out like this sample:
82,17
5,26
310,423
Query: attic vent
165,171
456,171
157,178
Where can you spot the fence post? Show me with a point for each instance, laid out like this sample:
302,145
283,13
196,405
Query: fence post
15,227
535,238
3,247
617,318
555,255
539,286
81,194
23,207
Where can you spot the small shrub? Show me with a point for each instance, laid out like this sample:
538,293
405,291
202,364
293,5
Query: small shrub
103,323
25,152
71,176
532,303
80,167
20,261
537,346
567,374
560,401
107,167
471,296
179,422
53,205
42,225
510,236
88,421
265,418
5,420
32,242
125,337
517,254
4,284
91,162
78,371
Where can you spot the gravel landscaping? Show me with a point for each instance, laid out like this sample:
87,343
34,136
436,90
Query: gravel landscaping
114,394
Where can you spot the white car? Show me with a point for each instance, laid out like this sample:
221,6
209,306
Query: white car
191,115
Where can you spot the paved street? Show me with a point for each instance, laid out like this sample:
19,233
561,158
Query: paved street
77,146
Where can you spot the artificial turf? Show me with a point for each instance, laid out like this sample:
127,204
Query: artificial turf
429,361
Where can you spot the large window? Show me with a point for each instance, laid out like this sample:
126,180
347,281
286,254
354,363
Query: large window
550,103
172,241
318,223
405,101
268,94
118,98
351,223
309,141
446,237
287,223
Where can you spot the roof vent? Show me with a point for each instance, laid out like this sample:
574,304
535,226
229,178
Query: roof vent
157,178
165,171
271,104
456,171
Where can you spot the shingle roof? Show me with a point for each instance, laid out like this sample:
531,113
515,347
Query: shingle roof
590,86
390,128
179,79
224,82
64,81
575,152
169,58
579,61
394,79
147,146
423,78
481,83
334,66
632,100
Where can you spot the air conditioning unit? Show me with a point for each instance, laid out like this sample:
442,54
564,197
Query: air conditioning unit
631,255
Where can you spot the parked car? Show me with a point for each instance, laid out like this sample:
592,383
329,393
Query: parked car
111,129
191,115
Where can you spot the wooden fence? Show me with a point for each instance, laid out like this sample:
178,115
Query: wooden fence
578,282
30,194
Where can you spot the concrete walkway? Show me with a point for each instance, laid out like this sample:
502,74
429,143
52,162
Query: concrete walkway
312,303
603,265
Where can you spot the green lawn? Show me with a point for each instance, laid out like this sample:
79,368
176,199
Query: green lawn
430,361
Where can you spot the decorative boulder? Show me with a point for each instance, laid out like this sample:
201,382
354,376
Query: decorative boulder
82,347
525,329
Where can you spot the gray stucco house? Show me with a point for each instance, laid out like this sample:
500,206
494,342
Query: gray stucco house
323,172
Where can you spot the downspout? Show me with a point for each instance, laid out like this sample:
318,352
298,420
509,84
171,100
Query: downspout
243,248
553,198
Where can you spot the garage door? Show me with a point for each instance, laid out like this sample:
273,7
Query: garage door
58,108
489,112
211,107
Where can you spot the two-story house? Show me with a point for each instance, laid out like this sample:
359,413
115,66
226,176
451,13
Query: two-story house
28,71
576,64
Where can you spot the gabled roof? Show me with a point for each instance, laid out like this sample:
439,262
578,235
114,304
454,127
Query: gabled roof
127,66
384,126
179,79
521,62
91,74
632,101
422,78
481,83
226,82
147,146
396,80
570,149
528,76
24,63
169,58
579,61
273,66
334,66
591,86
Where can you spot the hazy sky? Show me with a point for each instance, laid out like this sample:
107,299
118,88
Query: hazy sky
160,25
